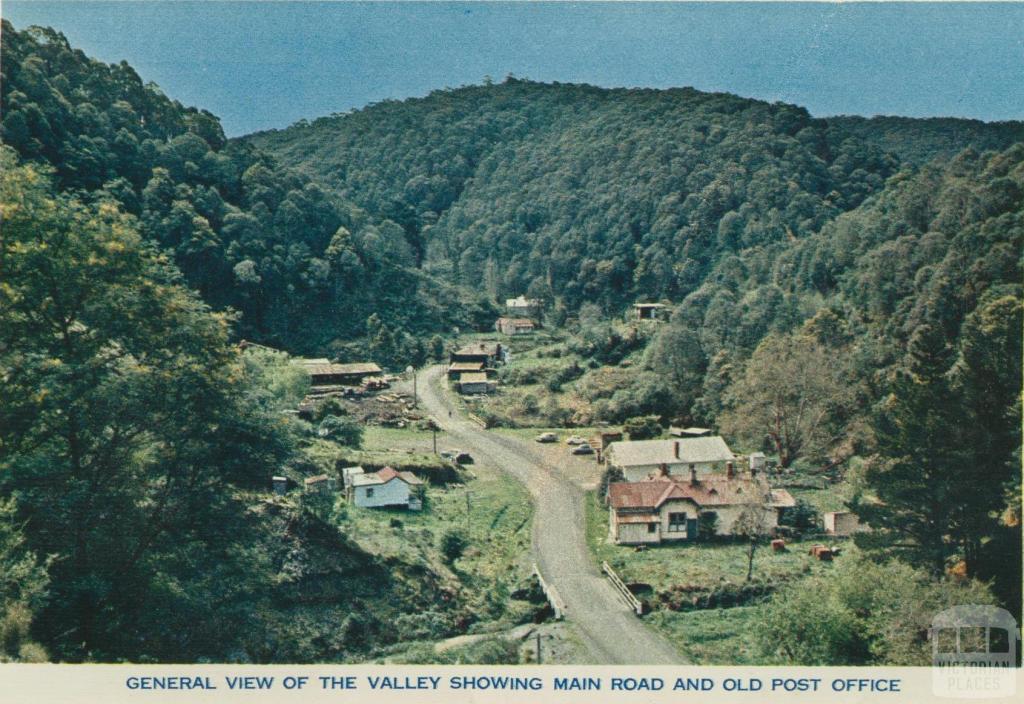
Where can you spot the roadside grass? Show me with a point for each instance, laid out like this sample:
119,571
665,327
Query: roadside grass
497,527
714,636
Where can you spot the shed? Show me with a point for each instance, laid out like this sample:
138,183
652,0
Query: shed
456,369
648,311
842,523
280,485
488,353
514,326
325,373
321,483
689,432
475,383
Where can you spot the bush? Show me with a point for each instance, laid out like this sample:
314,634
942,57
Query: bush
342,430
331,406
453,544
643,427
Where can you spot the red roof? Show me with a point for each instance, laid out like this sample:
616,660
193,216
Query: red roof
389,473
710,491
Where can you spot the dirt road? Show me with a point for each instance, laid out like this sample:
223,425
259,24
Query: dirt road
611,632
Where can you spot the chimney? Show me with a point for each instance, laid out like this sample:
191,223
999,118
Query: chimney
693,474
730,470
663,470
676,447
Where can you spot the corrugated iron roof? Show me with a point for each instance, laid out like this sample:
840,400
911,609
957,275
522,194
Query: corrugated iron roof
710,491
466,367
655,452
472,378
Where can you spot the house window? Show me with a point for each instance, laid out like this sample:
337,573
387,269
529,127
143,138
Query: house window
677,522
652,527
369,493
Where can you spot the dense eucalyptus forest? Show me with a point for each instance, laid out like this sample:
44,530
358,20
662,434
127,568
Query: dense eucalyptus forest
871,265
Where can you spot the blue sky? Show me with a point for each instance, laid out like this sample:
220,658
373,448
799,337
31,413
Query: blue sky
262,65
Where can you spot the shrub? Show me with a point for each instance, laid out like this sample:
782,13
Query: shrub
342,430
453,544
643,427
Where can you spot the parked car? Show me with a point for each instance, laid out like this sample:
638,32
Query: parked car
457,456
582,450
575,440
546,437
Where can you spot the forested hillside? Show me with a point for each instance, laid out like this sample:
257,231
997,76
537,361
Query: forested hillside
265,241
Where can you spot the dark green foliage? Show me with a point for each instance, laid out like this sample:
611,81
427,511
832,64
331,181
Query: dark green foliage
343,430
246,234
802,517
707,525
453,544
643,428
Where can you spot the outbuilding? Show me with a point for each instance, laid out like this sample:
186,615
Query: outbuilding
385,488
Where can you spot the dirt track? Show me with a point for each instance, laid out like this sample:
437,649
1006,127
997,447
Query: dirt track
611,632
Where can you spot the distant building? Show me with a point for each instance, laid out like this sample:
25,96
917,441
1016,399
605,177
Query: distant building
321,484
644,459
843,523
669,509
600,441
475,383
514,326
323,372
488,353
523,306
648,311
689,432
347,473
280,485
385,488
456,369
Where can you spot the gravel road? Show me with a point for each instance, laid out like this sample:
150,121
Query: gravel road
606,626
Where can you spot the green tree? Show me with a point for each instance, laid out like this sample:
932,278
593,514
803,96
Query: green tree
792,396
122,397
343,430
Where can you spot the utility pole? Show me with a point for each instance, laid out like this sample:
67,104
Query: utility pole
415,397
540,659
433,427
467,514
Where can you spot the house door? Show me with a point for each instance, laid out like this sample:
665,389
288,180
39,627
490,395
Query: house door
691,528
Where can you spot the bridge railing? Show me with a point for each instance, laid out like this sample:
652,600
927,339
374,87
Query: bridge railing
557,605
622,589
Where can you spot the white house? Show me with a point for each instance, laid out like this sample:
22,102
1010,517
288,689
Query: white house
668,509
522,306
384,488
644,459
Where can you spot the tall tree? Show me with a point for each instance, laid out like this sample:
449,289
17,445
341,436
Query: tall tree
792,397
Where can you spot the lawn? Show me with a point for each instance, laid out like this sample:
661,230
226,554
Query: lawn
705,565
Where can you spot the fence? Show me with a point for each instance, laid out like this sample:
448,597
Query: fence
623,590
557,605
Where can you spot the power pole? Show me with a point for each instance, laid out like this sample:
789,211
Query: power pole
467,514
433,427
540,659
